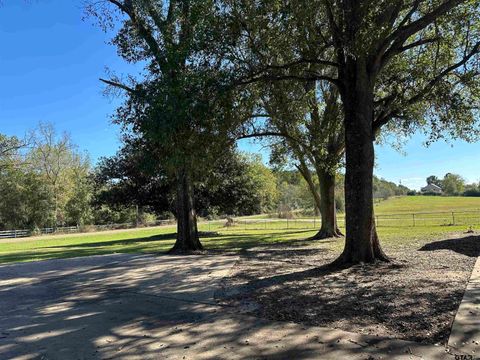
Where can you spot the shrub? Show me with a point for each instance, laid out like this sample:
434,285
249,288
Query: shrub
472,192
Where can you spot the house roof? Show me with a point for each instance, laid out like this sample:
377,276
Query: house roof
432,186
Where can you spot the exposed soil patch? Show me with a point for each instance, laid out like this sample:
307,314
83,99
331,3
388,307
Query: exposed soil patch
415,297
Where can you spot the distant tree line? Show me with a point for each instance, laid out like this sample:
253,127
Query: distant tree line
45,181
383,189
451,185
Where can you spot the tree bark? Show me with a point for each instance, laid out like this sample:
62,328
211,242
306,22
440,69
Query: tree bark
187,231
324,197
361,244
328,211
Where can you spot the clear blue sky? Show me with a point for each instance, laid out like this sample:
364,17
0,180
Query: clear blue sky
51,60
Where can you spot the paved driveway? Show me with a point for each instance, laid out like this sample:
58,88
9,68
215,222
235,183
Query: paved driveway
156,307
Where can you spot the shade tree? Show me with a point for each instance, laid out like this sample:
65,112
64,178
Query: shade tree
180,105
396,64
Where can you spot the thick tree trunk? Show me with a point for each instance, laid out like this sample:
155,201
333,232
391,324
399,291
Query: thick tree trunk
327,207
187,231
361,243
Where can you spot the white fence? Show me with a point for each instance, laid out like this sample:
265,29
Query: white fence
14,234
9,234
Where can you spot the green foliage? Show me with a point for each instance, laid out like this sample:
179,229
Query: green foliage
432,179
131,178
239,184
45,185
453,184
181,105
26,199
265,182
383,189
472,190
9,148
294,194
236,184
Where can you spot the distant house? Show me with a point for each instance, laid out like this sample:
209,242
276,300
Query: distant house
431,188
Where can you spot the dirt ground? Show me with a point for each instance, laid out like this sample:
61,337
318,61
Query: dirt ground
415,297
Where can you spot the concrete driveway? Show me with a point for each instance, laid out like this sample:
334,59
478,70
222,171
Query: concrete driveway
157,307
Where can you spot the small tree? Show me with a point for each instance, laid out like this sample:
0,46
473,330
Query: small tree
453,184
54,158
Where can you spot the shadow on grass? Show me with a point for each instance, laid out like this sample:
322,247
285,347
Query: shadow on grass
468,245
247,241
160,237
152,244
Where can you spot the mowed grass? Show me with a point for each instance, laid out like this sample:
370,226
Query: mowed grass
239,238
151,240
419,204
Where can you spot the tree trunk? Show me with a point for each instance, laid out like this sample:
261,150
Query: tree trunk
324,201
327,207
361,243
187,231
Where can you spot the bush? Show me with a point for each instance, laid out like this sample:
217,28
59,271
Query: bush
472,192
412,193
431,194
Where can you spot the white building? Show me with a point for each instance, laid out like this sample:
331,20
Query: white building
432,188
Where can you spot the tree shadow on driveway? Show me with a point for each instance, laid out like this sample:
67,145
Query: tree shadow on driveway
146,307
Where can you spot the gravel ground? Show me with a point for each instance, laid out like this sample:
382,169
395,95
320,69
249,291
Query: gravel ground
415,297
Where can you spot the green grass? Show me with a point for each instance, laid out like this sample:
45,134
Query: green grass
415,204
135,241
398,233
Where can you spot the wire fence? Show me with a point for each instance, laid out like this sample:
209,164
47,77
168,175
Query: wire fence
446,218
419,219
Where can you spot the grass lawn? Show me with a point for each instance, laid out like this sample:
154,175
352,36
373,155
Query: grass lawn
415,204
160,239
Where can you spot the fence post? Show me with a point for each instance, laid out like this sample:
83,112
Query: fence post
15,233
413,215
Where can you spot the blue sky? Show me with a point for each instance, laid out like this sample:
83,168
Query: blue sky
50,63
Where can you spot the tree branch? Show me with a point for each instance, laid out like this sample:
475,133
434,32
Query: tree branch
268,134
120,86
146,34
377,124
394,42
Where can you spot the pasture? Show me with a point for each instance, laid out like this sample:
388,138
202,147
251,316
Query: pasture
253,232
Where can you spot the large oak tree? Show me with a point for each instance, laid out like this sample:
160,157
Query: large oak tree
403,64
